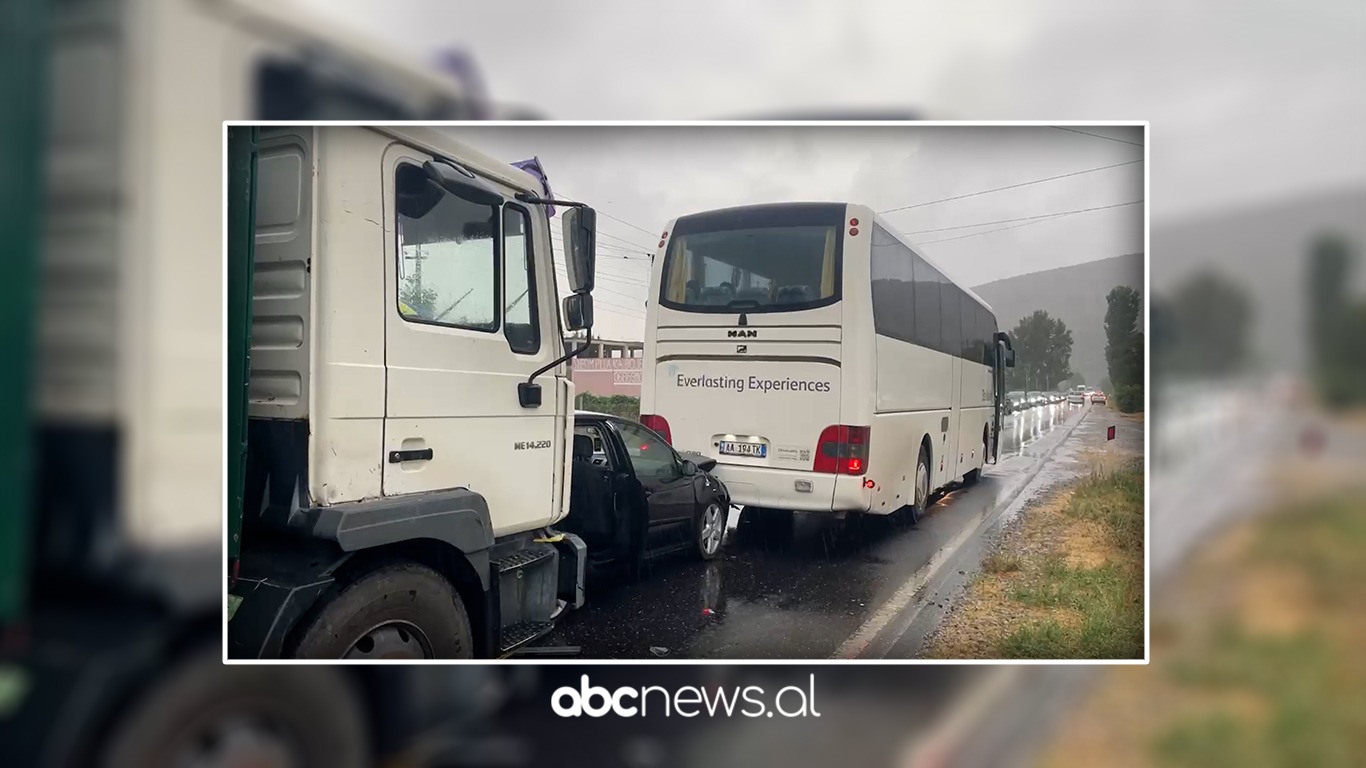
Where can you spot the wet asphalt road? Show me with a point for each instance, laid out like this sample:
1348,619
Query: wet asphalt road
803,598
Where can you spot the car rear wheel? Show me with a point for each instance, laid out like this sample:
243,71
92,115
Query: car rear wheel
709,529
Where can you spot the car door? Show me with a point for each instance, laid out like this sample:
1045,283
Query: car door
669,493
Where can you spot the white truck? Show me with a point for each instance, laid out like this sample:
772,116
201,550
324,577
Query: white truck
404,463
111,509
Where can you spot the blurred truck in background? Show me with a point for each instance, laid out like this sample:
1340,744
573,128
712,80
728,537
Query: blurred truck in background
110,613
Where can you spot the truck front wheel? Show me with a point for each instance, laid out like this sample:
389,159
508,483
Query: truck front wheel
199,712
398,611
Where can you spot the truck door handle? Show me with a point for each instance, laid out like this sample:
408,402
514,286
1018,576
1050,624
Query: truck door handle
398,457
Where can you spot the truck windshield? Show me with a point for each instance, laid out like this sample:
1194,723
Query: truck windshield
764,259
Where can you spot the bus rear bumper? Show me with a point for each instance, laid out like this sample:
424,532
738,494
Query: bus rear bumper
794,489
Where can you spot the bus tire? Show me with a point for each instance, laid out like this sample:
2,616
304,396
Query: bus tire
202,710
920,486
401,611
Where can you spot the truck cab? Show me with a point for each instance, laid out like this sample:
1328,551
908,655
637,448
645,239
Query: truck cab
408,406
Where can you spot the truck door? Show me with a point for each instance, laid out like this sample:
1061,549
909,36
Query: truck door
463,326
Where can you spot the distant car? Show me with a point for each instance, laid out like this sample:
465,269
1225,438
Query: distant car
1015,401
1076,397
1099,397
632,495
1036,398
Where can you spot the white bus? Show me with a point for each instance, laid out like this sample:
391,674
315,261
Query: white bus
820,359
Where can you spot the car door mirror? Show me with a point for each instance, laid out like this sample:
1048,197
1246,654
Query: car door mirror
689,468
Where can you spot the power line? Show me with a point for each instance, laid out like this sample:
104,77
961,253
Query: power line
1025,218
1098,136
627,223
620,220
599,299
986,232
1011,186
614,251
624,240
1010,227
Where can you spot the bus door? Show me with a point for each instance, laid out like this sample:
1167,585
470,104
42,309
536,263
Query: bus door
1003,358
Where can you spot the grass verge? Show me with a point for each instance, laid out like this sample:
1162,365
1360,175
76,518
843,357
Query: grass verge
1067,583
1257,655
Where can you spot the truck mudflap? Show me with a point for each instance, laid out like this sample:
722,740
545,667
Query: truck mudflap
573,569
276,586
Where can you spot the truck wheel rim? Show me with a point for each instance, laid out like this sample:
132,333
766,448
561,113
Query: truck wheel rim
239,739
392,640
712,528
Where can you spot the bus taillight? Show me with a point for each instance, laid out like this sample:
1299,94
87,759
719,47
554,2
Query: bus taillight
658,424
842,450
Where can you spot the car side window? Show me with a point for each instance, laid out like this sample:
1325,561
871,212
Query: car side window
650,456
599,456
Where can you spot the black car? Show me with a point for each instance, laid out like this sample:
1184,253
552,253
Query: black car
632,495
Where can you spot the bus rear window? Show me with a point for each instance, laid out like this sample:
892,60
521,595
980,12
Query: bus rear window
761,269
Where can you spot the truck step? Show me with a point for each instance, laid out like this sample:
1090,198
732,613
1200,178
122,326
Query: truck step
518,635
523,558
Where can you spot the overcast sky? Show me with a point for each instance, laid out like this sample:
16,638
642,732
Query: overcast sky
644,176
1251,101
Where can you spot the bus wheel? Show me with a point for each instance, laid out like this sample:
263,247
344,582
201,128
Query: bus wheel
922,486
398,611
201,712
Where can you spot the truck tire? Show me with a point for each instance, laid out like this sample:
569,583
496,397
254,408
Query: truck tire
203,712
397,611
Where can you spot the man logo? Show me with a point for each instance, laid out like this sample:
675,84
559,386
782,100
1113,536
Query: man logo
742,334
741,349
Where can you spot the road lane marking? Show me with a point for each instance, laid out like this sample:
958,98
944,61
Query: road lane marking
859,642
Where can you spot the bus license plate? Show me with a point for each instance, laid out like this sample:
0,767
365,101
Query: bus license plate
732,448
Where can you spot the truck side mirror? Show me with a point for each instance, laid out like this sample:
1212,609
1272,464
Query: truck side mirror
580,241
462,183
578,311
1010,358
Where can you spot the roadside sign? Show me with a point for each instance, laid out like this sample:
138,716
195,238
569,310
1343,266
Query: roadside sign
1110,433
